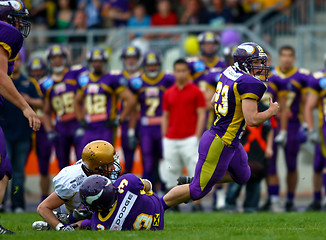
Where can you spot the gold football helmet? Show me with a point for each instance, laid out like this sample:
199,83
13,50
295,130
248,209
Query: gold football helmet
100,157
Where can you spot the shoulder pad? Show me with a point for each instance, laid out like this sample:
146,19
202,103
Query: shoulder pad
304,71
136,83
115,72
214,70
192,59
318,74
76,67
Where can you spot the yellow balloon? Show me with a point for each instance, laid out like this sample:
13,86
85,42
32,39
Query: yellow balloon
191,45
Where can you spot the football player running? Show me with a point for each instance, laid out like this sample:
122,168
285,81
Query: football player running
13,29
98,157
221,156
127,204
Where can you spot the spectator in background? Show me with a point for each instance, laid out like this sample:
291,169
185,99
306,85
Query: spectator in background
92,9
18,134
164,15
237,11
195,13
116,11
139,19
221,14
64,18
77,44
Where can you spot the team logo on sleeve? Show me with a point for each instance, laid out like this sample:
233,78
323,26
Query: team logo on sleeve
47,83
83,80
136,83
199,66
123,81
322,83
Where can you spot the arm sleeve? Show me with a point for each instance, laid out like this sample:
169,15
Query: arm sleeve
251,88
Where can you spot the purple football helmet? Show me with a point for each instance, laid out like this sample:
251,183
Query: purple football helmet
98,193
97,54
152,63
14,12
36,64
248,52
131,52
56,50
209,37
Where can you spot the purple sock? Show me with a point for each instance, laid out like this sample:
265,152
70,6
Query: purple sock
317,196
164,204
290,197
273,190
324,181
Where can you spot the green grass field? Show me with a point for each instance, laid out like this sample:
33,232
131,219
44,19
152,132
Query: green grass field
188,226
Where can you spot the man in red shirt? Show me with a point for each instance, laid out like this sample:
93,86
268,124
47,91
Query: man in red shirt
164,15
182,125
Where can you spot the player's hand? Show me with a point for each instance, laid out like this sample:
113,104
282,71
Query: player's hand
132,140
313,137
82,214
33,119
281,138
269,152
112,123
273,106
69,227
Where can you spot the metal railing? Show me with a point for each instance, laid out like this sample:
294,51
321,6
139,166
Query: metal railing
116,39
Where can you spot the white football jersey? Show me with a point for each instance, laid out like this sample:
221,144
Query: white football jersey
67,183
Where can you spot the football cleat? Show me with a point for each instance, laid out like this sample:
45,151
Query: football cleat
314,206
184,180
5,231
41,226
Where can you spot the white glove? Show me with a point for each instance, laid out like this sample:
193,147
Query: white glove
281,138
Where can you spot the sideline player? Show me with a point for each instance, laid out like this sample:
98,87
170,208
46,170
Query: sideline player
96,100
127,204
60,90
98,157
221,156
13,29
37,69
149,89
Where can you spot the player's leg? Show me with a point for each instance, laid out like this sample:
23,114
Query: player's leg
43,152
72,130
189,156
17,153
127,151
62,149
291,152
147,147
273,187
317,180
213,161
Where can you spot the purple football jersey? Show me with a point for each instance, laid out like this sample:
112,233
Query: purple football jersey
296,81
276,86
198,69
11,40
61,93
100,95
232,88
150,94
317,86
134,209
